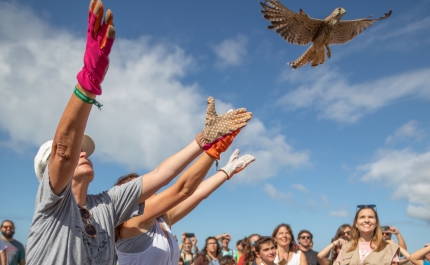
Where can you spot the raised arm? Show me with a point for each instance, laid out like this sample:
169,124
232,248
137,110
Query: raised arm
235,165
400,240
217,129
66,146
323,254
417,258
187,183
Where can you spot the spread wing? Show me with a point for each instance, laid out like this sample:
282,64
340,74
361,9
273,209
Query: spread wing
348,29
296,28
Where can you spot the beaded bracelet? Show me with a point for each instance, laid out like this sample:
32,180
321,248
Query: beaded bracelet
86,99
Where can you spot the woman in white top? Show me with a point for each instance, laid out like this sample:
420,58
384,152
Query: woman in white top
286,251
147,239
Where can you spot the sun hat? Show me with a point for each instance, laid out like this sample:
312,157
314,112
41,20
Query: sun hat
42,156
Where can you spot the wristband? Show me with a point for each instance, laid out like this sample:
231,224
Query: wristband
86,99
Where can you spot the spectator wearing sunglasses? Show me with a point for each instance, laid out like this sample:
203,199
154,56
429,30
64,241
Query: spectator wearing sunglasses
343,230
225,240
387,233
305,238
286,250
421,256
367,245
15,252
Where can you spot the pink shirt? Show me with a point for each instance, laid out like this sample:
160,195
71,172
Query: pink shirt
364,250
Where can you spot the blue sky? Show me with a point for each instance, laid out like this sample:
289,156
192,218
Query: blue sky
354,130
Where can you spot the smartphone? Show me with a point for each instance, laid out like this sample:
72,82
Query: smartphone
385,228
189,235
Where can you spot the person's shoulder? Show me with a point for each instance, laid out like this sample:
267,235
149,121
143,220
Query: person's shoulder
313,252
16,243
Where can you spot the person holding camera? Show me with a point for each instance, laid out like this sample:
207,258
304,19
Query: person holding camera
388,231
189,242
225,240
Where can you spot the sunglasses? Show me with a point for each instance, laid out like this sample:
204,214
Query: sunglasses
305,237
385,233
346,233
362,206
90,229
7,226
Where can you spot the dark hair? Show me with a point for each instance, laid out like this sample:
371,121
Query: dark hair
122,180
9,221
181,260
340,230
305,231
292,245
126,178
242,242
263,240
248,251
227,260
204,252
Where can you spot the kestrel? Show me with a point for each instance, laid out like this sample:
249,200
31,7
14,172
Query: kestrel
299,28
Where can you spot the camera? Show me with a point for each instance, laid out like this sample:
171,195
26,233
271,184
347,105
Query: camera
189,235
385,228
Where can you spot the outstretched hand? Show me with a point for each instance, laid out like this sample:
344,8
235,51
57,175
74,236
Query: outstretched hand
236,164
100,39
217,126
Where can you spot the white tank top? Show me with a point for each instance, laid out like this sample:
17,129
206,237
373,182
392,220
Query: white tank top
295,259
162,251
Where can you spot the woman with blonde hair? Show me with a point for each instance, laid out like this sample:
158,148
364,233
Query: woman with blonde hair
367,245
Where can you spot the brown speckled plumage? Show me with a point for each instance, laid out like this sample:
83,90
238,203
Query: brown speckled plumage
299,28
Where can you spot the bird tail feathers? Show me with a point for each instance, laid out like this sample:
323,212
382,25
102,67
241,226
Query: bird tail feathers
310,55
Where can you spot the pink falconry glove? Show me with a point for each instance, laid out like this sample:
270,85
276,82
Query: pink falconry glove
96,58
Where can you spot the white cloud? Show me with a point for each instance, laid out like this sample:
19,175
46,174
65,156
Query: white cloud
308,201
273,154
300,187
231,52
149,113
407,130
407,172
330,94
339,213
286,197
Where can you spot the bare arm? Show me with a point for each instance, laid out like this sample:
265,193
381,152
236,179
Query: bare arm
203,191
66,145
303,260
235,165
400,240
3,257
323,254
21,262
187,183
417,258
168,170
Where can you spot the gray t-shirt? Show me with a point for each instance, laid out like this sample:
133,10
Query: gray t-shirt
57,234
